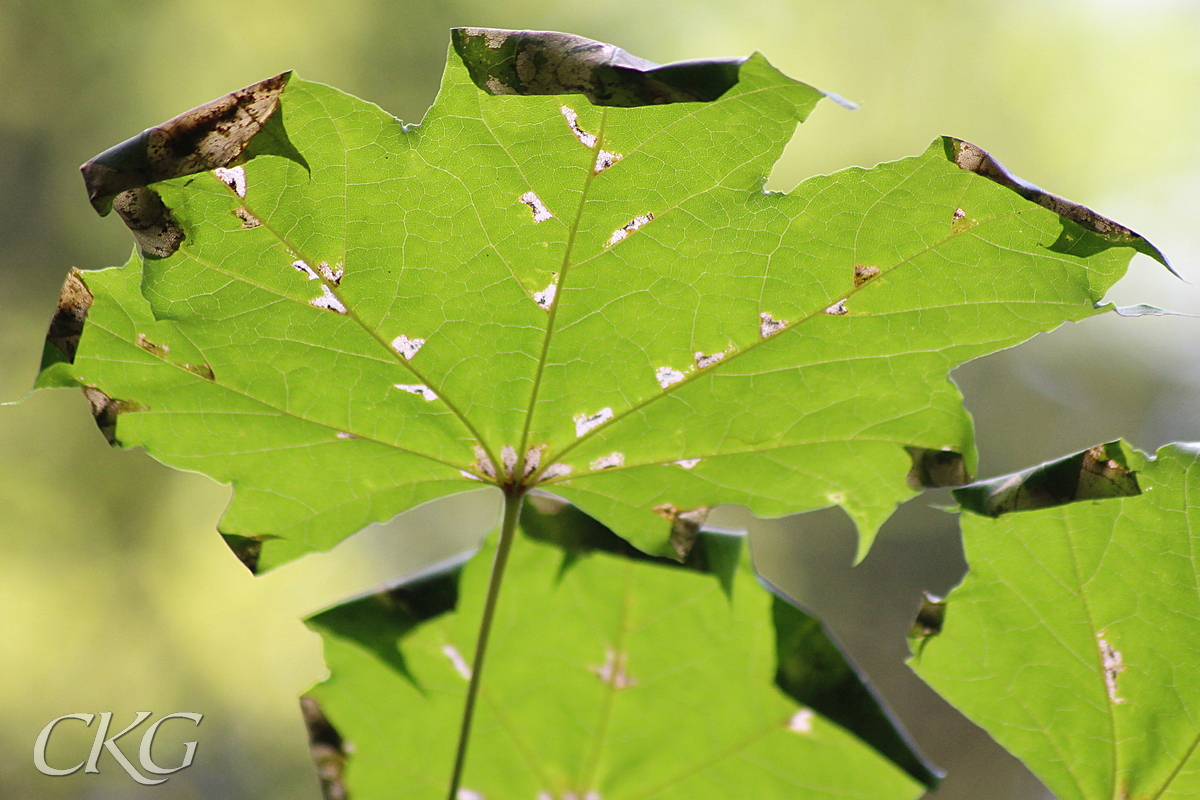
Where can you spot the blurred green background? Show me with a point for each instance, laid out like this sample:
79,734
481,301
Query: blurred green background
117,595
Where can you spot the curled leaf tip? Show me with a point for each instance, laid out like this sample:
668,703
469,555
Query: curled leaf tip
549,63
1110,234
207,137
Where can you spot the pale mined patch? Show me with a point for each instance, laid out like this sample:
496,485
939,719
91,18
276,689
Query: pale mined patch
407,347
864,273
248,220
545,298
1110,659
613,671
460,663
585,138
622,232
533,458
469,475
159,350
468,794
496,87
704,361
483,463
605,159
769,326
540,212
419,389
801,721
557,470
667,376
234,178
687,463
328,301
345,435
586,422
608,462
837,309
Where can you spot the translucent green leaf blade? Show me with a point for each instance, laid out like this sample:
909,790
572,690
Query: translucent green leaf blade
1070,638
533,288
606,674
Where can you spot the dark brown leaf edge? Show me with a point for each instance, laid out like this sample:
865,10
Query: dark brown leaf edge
1097,473
225,131
327,749
547,63
811,667
1084,231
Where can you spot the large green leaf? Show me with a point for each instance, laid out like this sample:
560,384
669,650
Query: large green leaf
1074,638
611,674
345,316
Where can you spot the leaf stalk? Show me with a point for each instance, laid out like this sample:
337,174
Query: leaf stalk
514,496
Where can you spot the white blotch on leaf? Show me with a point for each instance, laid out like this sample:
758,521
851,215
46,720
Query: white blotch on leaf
959,214
331,274
608,462
540,212
585,138
418,389
469,475
533,458
585,422
605,159
622,232
1113,666
801,721
688,463
407,347
460,663
613,672
769,326
306,269
328,301
667,376
483,463
545,298
837,309
508,457
557,470
234,178
345,435
468,794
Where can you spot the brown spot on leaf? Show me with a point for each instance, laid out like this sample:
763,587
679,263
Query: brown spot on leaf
151,222
327,748
934,469
864,273
66,326
105,411
959,221
159,350
207,137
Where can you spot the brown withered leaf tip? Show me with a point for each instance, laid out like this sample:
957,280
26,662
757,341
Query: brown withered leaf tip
685,527
66,326
327,748
935,469
975,159
209,136
105,411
